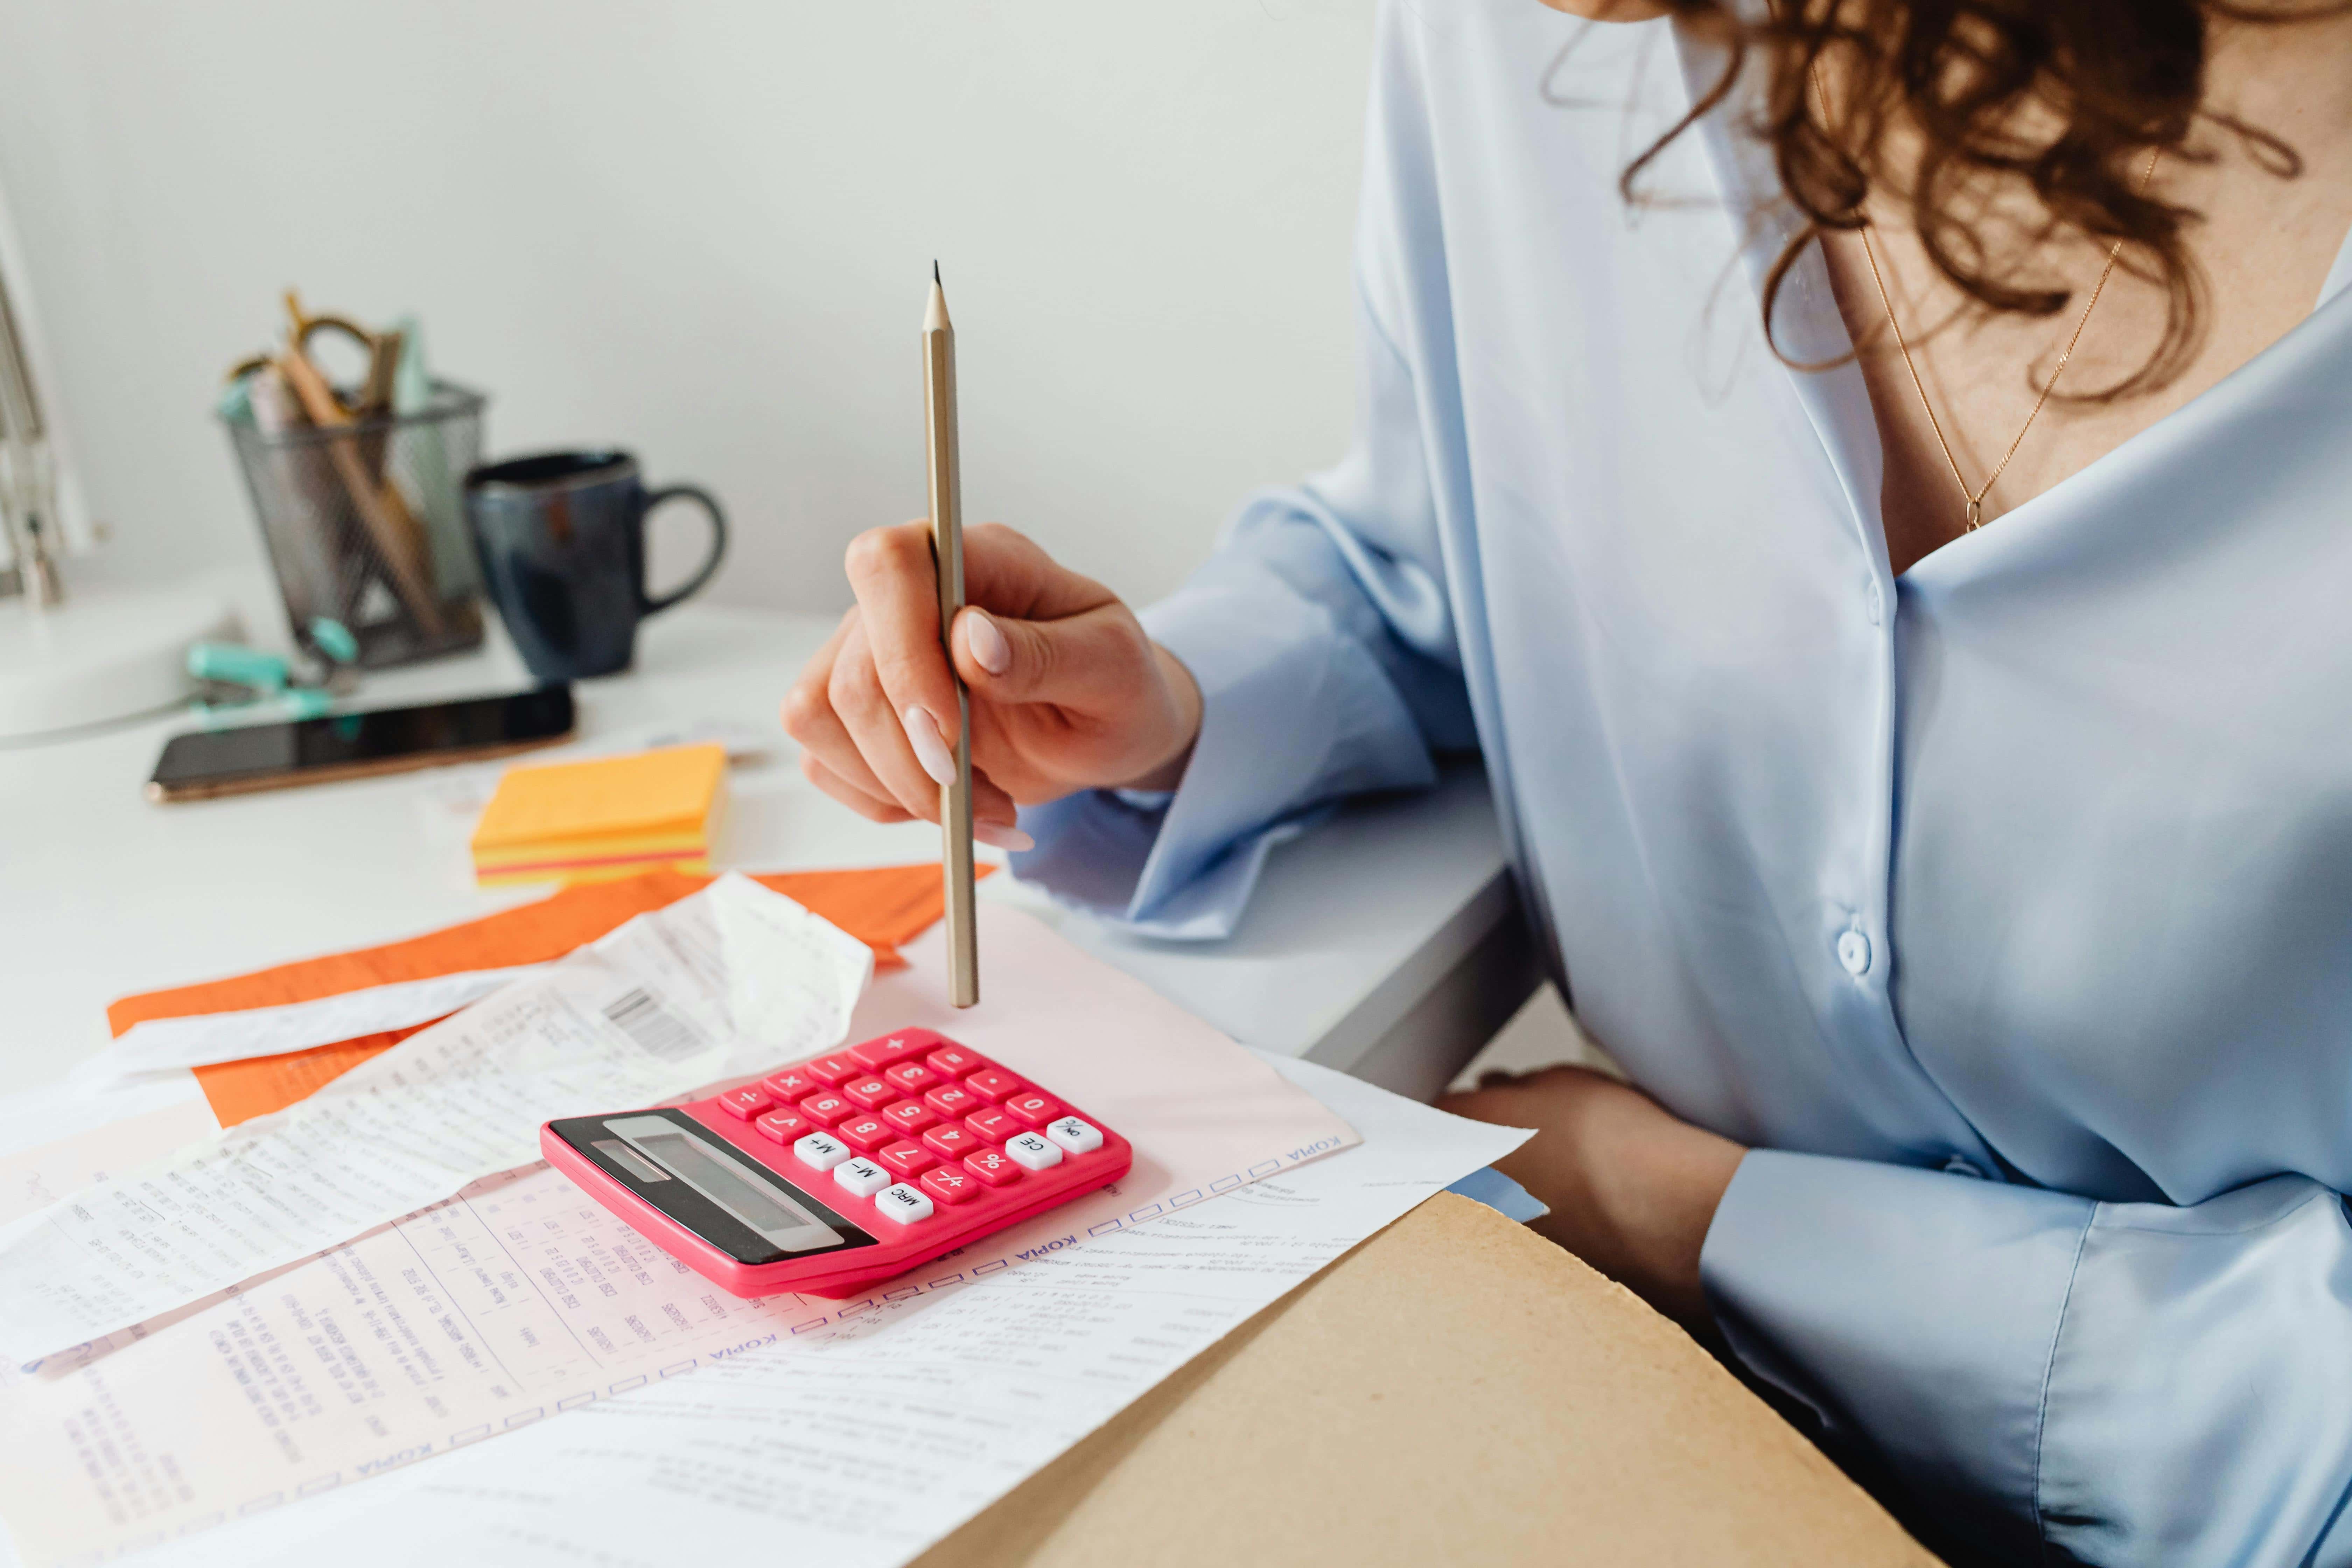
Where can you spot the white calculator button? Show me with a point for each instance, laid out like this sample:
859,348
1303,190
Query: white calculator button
1076,1136
1031,1153
861,1176
822,1150
902,1202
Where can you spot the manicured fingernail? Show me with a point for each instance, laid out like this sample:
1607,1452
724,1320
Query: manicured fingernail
923,733
1003,837
987,644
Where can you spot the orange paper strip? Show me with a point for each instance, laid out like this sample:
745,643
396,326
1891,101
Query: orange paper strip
882,907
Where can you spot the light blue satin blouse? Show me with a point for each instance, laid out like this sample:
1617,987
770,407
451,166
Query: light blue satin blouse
2004,908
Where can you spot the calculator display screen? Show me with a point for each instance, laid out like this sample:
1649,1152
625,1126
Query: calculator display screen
702,1163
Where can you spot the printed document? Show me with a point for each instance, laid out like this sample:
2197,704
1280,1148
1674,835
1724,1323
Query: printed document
638,1016
859,1445
520,1298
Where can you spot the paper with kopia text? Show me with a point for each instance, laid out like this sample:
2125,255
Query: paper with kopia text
522,1297
859,1446
637,1016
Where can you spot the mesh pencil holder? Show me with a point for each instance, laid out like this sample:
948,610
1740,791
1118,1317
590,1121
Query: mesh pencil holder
366,524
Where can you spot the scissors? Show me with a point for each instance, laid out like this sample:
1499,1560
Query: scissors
372,398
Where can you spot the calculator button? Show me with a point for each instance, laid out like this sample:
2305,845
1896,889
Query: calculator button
912,1078
825,1110
789,1084
907,1159
991,1122
1033,1109
951,1141
861,1176
1035,1153
951,1100
879,1054
902,1202
747,1101
836,1069
869,1093
950,1185
909,1115
992,1083
784,1126
991,1166
954,1061
1074,1135
821,1150
866,1133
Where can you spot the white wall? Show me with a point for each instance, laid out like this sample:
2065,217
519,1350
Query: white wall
705,231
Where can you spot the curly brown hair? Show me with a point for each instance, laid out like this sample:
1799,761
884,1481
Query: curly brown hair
2069,97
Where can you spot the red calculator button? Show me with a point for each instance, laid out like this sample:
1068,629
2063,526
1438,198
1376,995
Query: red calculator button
952,1099
950,1185
879,1054
954,1061
869,1093
951,1141
912,1078
907,1159
825,1110
910,1115
991,1166
991,1122
866,1133
992,1083
1033,1109
784,1126
789,1084
747,1101
836,1069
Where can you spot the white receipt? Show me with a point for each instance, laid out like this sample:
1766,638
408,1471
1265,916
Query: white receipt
788,979
637,1016
521,1298
160,1045
861,1444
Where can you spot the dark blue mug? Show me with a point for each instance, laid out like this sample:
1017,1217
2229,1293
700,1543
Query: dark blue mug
563,542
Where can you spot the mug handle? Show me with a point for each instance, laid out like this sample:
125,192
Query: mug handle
718,544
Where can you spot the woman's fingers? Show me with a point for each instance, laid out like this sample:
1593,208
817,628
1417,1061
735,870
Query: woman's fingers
864,803
892,570
856,749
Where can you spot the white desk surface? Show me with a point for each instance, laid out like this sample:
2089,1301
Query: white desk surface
104,893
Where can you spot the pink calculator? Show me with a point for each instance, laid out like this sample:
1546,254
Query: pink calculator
829,1174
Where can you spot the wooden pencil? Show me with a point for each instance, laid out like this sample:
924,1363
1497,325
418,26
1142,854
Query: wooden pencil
947,552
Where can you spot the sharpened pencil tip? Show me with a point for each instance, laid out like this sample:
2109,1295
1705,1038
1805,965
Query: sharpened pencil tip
935,271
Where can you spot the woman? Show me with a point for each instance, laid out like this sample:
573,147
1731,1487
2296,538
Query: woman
1940,799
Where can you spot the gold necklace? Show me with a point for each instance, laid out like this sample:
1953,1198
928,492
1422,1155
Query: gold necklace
1976,499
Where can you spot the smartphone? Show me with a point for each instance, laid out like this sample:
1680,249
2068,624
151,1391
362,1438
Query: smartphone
358,745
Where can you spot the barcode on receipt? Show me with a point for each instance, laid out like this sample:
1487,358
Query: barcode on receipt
657,1030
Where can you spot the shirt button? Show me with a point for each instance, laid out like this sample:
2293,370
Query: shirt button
1853,952
1957,1166
1877,602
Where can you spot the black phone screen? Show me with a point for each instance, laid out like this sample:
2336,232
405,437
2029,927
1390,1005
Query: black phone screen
348,739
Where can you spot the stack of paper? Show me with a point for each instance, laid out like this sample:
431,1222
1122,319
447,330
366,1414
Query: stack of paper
605,817
517,1307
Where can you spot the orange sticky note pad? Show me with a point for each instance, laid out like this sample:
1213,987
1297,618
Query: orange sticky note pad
607,816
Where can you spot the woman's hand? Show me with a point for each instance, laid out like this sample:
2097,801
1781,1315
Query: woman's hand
1631,1186
1066,692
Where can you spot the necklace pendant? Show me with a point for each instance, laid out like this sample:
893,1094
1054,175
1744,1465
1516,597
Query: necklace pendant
1976,515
